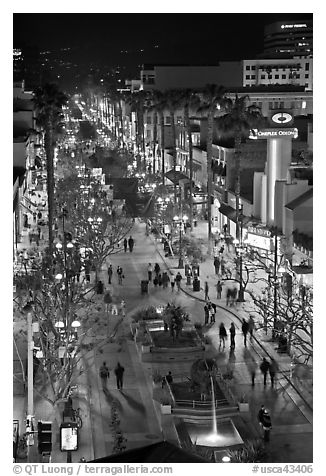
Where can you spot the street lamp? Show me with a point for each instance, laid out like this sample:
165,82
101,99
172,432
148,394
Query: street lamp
180,221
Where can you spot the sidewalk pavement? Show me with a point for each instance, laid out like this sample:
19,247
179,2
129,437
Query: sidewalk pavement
300,376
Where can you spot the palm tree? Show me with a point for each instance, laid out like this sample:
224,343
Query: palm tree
212,96
137,101
158,104
173,103
48,101
237,122
189,99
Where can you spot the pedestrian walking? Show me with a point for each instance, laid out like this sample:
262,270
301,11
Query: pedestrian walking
125,244
123,308
234,293
260,415
178,279
213,311
228,296
120,274
252,367
155,282
221,250
34,217
108,301
222,335
110,272
217,264
218,289
206,291
157,269
104,373
206,311
273,369
251,324
232,335
222,266
150,271
131,243
159,278
119,371
172,283
165,280
264,367
266,424
245,329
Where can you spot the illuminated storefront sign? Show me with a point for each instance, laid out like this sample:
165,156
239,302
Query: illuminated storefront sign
258,241
266,133
298,25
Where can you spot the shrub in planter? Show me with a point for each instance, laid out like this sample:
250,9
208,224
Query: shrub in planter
253,451
146,314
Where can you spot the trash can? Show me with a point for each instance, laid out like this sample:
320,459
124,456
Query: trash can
196,284
144,286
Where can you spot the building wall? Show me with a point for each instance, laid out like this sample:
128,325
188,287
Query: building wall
19,154
295,71
289,37
299,103
228,73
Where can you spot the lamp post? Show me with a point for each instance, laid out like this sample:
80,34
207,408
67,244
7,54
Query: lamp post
180,222
240,248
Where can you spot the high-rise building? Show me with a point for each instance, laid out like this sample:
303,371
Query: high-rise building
290,38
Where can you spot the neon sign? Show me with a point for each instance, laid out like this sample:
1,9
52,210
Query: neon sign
299,25
273,132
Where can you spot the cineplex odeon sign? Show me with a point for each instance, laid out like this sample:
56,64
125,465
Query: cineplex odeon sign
273,132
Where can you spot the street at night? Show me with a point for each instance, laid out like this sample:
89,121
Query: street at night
163,239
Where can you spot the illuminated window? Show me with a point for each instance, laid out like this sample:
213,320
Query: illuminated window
304,103
168,120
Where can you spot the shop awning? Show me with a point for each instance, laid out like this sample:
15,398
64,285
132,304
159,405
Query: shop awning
175,176
230,212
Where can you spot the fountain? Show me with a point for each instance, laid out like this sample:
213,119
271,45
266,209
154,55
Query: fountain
217,435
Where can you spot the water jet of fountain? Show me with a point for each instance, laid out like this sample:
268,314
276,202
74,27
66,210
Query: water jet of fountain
214,429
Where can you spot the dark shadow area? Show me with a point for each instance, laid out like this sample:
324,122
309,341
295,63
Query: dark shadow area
139,407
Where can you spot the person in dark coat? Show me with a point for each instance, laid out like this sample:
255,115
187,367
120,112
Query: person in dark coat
266,424
119,370
206,291
206,311
159,278
110,272
218,290
273,369
222,335
131,243
260,414
104,373
251,324
216,264
155,281
125,244
178,280
165,280
245,329
150,271
264,367
157,269
232,335
228,296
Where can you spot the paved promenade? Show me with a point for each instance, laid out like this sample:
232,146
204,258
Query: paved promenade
141,422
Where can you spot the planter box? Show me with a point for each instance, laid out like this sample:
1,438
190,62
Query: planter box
243,407
165,409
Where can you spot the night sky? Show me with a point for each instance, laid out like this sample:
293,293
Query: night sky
197,38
